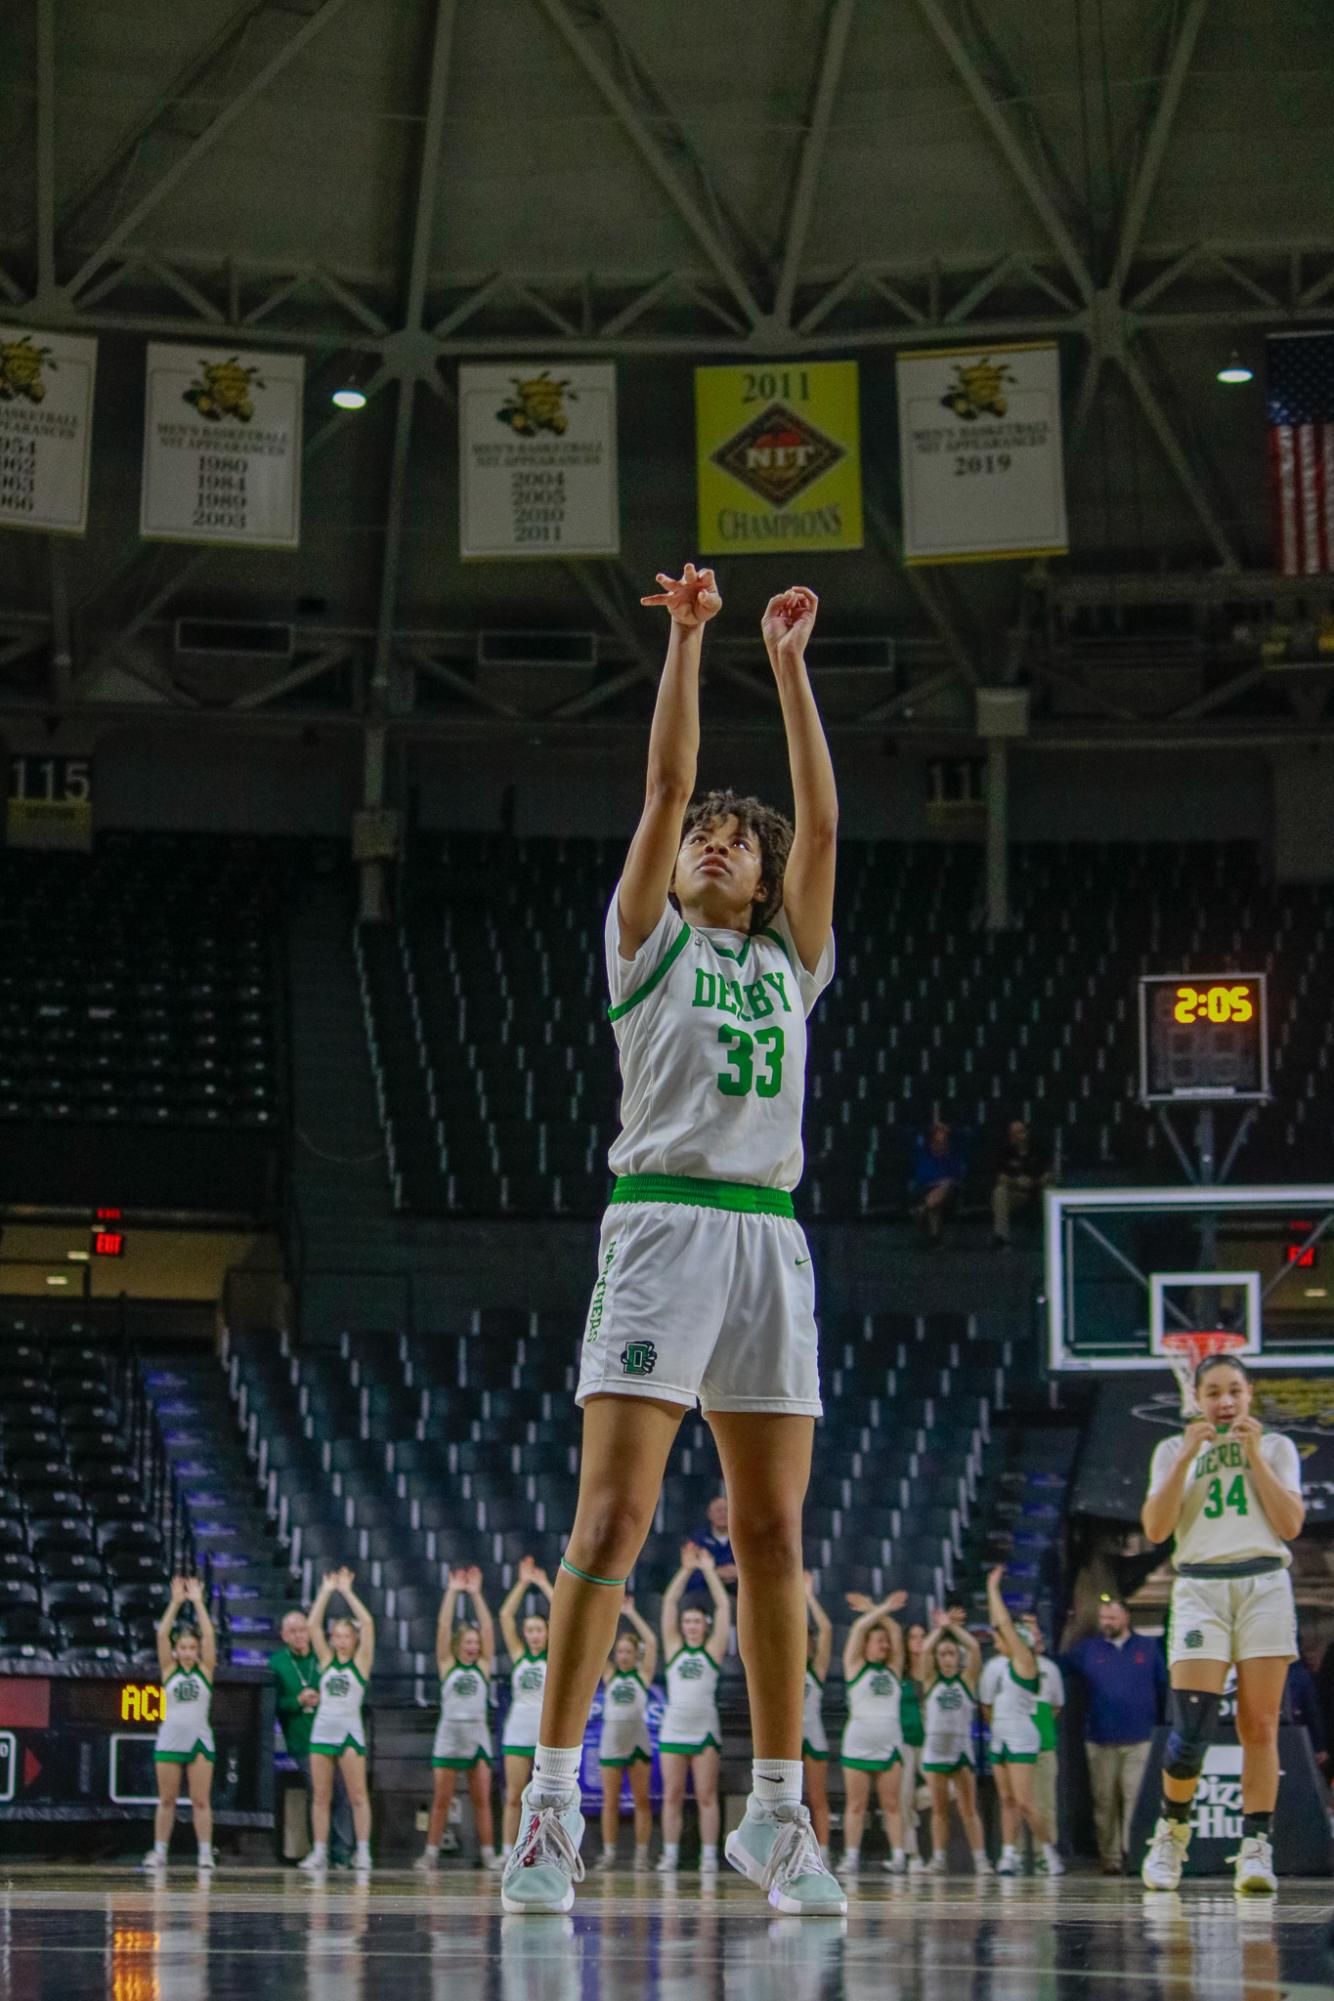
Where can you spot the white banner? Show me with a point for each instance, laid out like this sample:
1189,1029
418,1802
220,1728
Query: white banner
980,453
46,429
537,461
222,447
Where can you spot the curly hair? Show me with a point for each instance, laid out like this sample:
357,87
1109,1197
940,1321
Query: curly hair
770,828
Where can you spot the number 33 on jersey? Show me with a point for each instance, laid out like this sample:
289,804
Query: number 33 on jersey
711,1030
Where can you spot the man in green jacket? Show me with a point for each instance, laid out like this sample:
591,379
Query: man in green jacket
296,1679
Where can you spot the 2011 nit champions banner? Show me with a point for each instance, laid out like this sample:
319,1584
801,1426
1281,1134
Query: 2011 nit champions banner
222,447
778,451
46,429
980,453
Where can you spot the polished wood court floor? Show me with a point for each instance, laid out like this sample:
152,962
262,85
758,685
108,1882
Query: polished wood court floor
72,1935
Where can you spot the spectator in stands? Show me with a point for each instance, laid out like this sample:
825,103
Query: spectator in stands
714,1538
937,1176
1126,1678
1021,1175
296,1679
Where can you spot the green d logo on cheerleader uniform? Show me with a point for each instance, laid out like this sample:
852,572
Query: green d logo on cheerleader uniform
639,1358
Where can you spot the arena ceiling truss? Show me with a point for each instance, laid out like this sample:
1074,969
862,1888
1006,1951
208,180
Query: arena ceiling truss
94,255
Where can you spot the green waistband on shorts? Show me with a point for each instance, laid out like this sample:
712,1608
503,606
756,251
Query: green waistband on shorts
683,1188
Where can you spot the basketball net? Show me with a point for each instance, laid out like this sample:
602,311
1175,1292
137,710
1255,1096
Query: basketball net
1187,1348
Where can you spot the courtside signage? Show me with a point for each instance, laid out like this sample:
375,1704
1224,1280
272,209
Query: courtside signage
778,454
222,446
537,462
46,429
980,454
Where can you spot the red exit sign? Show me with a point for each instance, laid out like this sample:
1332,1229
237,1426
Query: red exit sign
108,1244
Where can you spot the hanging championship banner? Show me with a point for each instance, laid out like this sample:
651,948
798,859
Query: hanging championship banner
980,453
779,458
46,429
222,447
537,462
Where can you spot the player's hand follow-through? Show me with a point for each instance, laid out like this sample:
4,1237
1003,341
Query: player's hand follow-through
789,620
692,598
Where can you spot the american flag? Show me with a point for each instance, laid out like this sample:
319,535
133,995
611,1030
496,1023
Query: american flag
1301,449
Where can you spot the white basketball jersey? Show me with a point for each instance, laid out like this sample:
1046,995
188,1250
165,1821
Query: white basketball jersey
711,1029
463,1693
1222,1520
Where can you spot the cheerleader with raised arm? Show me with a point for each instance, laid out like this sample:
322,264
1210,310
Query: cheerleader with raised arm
814,1742
346,1654
187,1657
624,1744
528,1678
465,1656
951,1663
872,1746
694,1648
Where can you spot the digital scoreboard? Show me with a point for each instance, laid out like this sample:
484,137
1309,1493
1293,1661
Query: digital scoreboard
80,1747
1203,1037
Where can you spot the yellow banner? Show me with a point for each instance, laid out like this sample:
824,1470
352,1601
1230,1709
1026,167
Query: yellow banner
779,458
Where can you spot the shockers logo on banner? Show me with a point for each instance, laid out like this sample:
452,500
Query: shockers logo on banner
778,458
222,447
46,426
980,453
537,461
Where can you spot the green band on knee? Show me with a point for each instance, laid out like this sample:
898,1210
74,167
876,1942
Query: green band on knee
615,1582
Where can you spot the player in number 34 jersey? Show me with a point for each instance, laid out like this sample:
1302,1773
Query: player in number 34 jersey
1230,1492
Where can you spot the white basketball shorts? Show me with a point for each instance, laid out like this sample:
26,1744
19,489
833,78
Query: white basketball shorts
703,1303
1233,1618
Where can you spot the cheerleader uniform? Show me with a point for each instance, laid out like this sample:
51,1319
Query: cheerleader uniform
690,1722
873,1733
947,1716
339,1724
814,1742
463,1735
1015,1736
528,1679
624,1739
185,1732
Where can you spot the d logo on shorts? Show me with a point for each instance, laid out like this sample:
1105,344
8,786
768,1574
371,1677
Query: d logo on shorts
639,1358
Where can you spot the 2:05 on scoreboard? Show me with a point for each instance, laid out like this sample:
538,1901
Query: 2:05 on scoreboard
1203,1036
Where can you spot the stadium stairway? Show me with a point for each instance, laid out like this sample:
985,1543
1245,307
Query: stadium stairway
339,1188
230,1527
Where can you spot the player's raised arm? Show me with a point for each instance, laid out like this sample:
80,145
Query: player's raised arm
808,882
673,753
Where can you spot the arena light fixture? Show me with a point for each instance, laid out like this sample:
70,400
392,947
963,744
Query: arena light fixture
349,392
1234,371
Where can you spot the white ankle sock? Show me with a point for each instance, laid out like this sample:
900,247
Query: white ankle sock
775,1782
557,1771
362,1857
